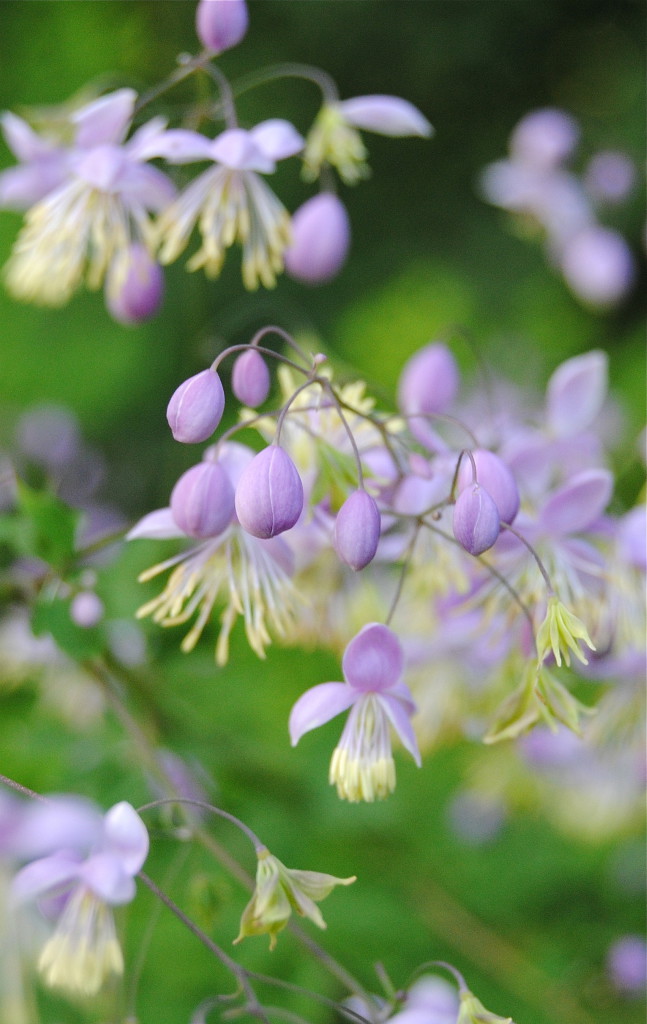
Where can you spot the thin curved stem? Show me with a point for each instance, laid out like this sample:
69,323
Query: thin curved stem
253,838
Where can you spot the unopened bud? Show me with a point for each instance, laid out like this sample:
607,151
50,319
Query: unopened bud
221,24
320,240
429,381
196,408
202,501
497,479
250,378
476,520
134,293
269,496
357,530
86,609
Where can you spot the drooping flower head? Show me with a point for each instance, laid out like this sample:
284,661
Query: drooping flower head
230,202
279,891
83,950
85,227
362,765
334,138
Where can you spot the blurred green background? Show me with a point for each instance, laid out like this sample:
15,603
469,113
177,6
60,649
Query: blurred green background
529,915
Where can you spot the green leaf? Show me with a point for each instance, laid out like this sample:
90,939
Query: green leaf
50,528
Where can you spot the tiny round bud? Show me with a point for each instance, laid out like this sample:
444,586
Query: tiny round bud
357,530
250,378
86,609
320,240
269,496
202,501
476,520
134,293
494,475
221,24
196,407
429,381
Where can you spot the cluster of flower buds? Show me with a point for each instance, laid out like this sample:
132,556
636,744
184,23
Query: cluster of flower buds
536,184
98,212
493,557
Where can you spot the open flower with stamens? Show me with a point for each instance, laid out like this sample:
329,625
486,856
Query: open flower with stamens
334,138
86,226
83,950
362,765
230,202
252,575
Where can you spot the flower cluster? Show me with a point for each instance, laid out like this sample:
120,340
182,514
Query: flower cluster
99,212
484,544
536,184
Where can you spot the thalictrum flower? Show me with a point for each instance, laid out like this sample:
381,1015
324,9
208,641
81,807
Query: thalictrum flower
230,202
86,226
560,632
252,574
279,891
362,765
335,140
83,951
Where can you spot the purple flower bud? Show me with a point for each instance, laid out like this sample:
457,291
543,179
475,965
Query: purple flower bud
86,609
544,138
598,266
196,407
320,240
136,295
476,520
429,381
221,24
494,475
357,530
202,501
250,379
269,496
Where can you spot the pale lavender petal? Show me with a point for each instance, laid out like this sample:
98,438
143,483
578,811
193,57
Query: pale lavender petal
23,141
43,876
403,694
157,525
101,167
277,139
387,115
147,186
59,822
126,836
105,120
236,149
576,392
23,186
632,537
579,503
545,137
104,874
373,660
180,146
598,266
317,706
144,143
399,716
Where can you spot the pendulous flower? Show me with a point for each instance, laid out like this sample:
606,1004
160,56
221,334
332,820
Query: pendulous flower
362,765
279,891
196,407
230,202
83,950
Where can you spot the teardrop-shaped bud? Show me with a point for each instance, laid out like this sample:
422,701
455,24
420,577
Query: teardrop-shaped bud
269,496
202,501
357,530
495,476
476,520
320,240
250,378
221,24
429,381
134,291
196,408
